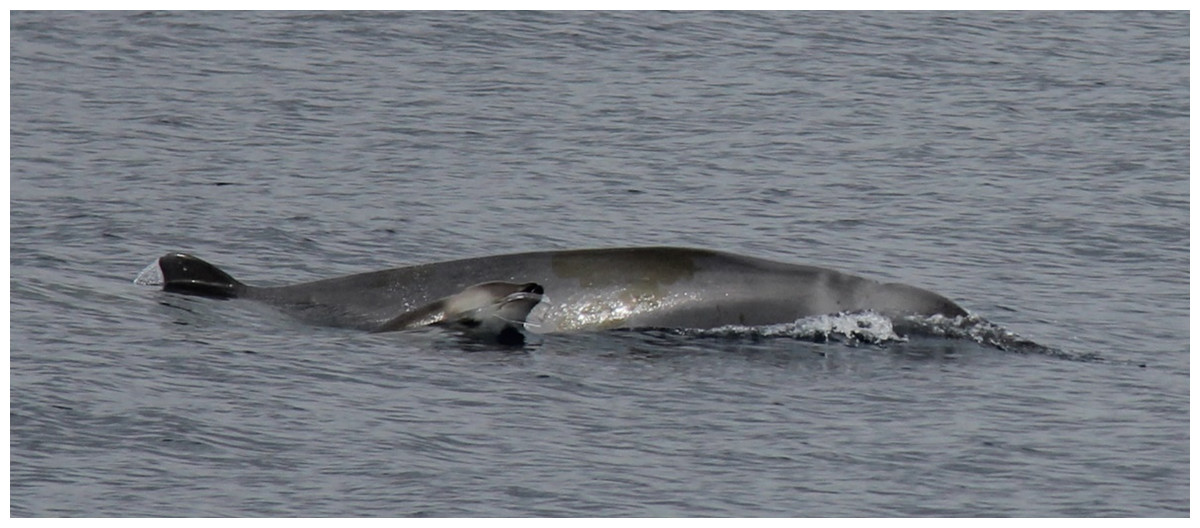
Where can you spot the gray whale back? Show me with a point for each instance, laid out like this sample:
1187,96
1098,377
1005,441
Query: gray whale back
589,289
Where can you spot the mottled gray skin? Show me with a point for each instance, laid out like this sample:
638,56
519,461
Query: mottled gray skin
590,289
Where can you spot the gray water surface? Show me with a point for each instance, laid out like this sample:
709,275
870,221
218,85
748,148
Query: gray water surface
1031,166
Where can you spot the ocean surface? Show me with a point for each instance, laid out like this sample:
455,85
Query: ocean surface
1034,167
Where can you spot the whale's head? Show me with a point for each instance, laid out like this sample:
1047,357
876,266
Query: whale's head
492,311
894,299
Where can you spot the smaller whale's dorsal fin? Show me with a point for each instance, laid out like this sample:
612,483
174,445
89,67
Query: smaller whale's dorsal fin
183,273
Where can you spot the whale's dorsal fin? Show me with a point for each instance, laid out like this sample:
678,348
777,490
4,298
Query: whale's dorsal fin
183,273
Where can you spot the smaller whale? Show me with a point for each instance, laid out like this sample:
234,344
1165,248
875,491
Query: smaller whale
489,311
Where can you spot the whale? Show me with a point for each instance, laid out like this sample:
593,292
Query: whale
490,312
582,290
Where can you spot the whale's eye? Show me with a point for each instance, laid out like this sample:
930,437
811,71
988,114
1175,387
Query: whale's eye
469,323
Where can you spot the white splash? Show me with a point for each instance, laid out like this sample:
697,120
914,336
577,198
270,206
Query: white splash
865,327
150,276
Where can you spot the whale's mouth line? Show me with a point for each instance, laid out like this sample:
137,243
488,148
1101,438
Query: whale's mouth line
532,294
521,295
